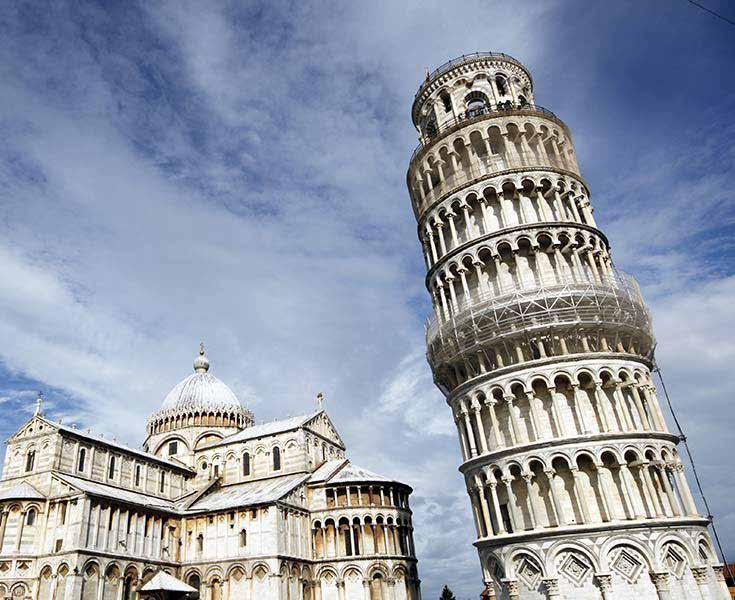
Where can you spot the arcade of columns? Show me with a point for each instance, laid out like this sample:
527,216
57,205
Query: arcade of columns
543,349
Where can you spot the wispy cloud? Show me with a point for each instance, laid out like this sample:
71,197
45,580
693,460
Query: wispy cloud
237,174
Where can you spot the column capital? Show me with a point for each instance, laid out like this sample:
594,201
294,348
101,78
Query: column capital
700,575
552,585
527,477
604,581
660,580
718,571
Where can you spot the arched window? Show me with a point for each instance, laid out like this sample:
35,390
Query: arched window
246,464
82,459
324,453
243,538
162,482
196,583
30,460
502,84
447,101
111,468
200,542
276,459
137,475
31,517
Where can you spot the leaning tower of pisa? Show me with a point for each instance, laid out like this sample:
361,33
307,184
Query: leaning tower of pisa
543,350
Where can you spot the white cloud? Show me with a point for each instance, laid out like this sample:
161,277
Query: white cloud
239,178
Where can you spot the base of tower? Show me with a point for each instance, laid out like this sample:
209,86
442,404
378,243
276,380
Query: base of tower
644,561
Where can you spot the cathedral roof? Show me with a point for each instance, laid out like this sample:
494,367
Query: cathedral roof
248,494
201,390
343,471
22,491
121,495
271,428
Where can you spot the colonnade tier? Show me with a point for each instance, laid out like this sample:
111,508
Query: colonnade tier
99,578
367,494
174,419
542,347
607,401
499,74
490,145
639,480
500,207
363,535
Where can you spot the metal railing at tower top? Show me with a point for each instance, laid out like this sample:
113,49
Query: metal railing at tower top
497,110
463,60
615,301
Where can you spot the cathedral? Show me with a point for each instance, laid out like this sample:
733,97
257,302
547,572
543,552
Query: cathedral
213,506
544,351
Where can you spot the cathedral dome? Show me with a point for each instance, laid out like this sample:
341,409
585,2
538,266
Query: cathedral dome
201,389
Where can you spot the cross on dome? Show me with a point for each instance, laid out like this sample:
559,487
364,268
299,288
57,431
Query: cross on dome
201,362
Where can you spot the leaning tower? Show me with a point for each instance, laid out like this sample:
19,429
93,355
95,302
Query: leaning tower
543,349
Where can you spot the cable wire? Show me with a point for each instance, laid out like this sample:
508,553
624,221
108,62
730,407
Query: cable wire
712,12
683,439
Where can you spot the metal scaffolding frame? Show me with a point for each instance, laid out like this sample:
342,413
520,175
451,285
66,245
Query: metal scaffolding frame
614,303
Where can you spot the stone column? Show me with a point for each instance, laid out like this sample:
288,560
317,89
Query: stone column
490,403
471,492
533,414
630,496
556,397
552,587
690,507
580,497
432,245
470,433
650,394
580,409
666,484
623,405
483,292
511,585
527,477
3,524
440,231
485,218
452,294
604,582
561,518
639,407
496,506
661,582
604,492
477,411
341,589
701,577
515,518
655,500
465,288
462,442
453,229
601,399
515,429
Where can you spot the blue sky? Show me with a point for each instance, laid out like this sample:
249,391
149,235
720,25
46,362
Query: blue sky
235,172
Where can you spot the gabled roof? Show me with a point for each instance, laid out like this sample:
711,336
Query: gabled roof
327,470
22,491
163,582
343,471
247,494
122,495
98,439
266,429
